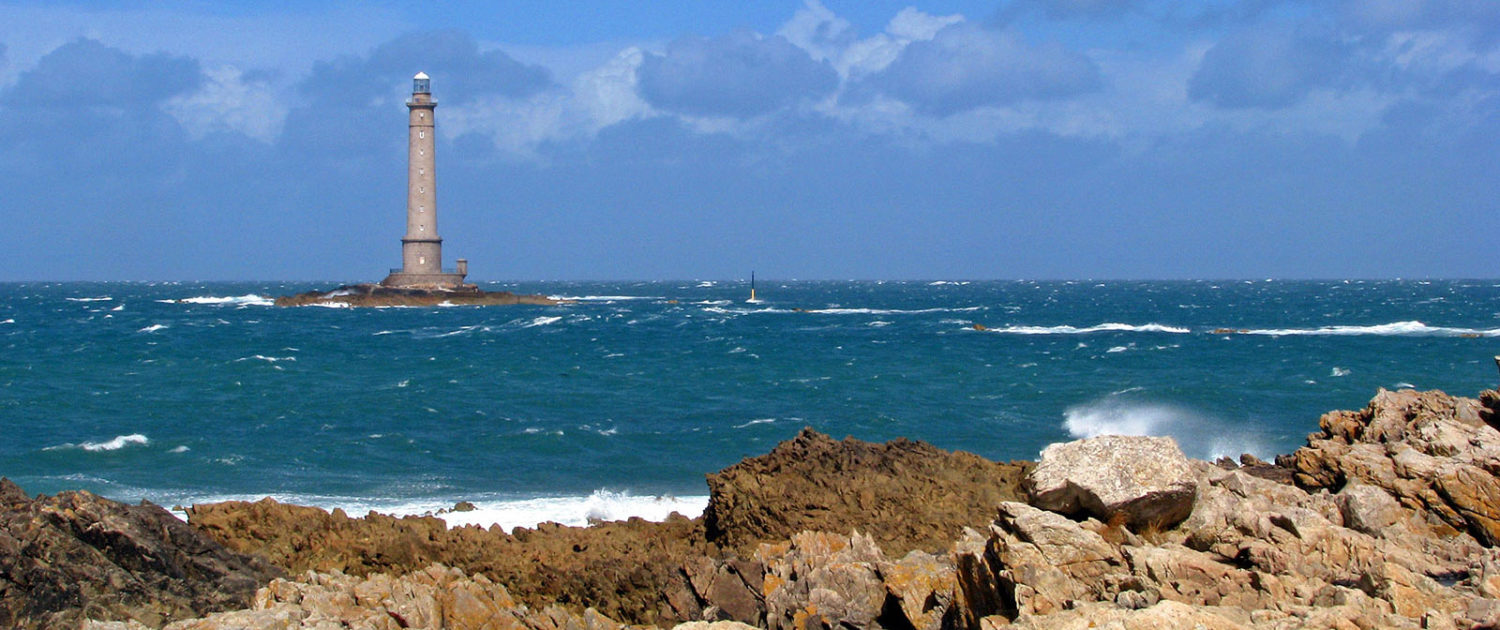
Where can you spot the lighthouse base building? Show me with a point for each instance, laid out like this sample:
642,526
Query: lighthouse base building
422,248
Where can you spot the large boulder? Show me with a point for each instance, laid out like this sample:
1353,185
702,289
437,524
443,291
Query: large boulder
1146,481
76,555
907,495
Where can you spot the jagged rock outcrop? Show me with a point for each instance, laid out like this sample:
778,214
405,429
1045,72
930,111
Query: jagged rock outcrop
906,495
1147,481
377,295
76,555
628,570
1426,449
435,598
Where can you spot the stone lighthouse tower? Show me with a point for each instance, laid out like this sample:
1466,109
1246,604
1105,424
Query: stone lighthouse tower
422,248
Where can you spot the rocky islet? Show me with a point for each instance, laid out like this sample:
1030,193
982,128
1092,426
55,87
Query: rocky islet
1387,518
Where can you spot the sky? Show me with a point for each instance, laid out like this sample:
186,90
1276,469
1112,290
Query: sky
802,139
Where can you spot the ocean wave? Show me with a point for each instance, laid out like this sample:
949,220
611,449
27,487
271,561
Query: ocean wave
890,311
90,299
1407,328
8,321
261,357
541,321
1197,434
604,298
1073,330
238,300
506,512
119,442
755,422
153,328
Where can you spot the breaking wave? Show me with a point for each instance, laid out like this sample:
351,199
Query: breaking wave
238,300
1407,328
1105,327
119,442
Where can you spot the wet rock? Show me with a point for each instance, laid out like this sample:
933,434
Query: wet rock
364,295
906,495
1146,479
77,555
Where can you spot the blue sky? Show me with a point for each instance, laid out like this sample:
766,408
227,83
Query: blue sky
833,139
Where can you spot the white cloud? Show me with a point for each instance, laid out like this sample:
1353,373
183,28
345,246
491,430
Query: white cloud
609,93
227,102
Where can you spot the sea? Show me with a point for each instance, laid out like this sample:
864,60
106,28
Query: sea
620,401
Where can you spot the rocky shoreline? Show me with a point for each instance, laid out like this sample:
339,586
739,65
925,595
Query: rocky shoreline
374,295
1387,518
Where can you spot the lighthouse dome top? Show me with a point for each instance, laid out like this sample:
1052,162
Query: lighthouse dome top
420,84
421,75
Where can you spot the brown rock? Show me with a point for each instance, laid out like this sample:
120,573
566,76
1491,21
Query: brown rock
77,555
629,570
374,295
907,495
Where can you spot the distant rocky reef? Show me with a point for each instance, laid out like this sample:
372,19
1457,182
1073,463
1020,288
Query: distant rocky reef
1388,518
374,295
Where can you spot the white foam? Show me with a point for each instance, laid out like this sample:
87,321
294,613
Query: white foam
542,321
1338,371
1199,435
153,328
602,505
603,298
755,422
8,321
1406,328
338,305
1073,330
261,357
118,308
1116,349
90,299
890,311
180,449
119,442
238,300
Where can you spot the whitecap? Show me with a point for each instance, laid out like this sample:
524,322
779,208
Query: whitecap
1116,349
878,324
1403,385
261,357
8,321
238,300
604,298
891,311
541,321
119,442
153,328
90,299
1407,328
1338,371
1105,327
755,422
180,449
118,308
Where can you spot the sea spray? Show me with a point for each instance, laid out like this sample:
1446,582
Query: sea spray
1198,434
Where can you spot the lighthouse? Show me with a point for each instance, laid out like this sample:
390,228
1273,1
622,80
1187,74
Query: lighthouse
421,247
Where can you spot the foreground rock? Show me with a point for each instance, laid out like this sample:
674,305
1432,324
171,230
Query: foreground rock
630,570
1427,450
907,495
75,555
376,295
436,598
1144,481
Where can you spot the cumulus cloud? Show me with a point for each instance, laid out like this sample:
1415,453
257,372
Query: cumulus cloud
229,101
86,73
741,74
453,58
965,66
1267,68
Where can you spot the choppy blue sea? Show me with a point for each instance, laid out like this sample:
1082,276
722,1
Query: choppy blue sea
620,402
